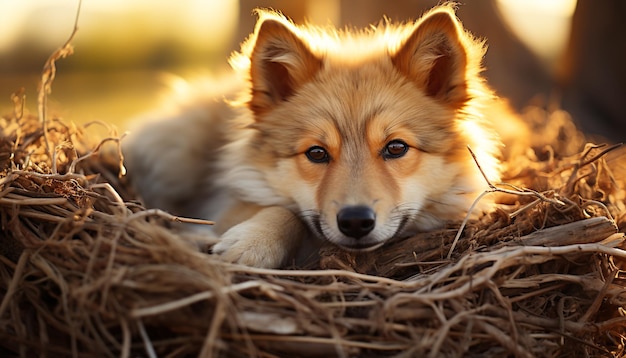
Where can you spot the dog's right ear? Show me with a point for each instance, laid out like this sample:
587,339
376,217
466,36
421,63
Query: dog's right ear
279,64
434,57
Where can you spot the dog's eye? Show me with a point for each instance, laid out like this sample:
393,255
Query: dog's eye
317,154
395,149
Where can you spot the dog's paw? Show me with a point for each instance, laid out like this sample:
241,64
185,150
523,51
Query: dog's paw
268,239
251,247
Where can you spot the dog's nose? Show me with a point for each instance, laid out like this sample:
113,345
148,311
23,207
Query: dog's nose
356,221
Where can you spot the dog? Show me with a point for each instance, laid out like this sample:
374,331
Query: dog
353,137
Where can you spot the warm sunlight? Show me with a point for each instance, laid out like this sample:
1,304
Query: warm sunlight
125,46
121,49
544,26
119,28
320,178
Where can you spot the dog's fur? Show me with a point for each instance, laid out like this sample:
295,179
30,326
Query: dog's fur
353,137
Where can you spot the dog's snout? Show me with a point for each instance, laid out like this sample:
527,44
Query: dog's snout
356,221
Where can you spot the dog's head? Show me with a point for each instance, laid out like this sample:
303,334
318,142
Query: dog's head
364,134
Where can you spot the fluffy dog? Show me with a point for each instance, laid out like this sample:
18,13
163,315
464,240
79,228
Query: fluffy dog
355,137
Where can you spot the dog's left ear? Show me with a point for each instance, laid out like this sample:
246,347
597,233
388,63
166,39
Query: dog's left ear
434,58
280,63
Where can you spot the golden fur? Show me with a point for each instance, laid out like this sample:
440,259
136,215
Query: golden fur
356,137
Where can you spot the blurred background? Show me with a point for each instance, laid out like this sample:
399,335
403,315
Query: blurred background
568,54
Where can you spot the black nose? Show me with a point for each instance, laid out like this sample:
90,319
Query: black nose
356,221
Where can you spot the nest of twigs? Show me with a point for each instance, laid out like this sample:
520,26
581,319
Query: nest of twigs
86,271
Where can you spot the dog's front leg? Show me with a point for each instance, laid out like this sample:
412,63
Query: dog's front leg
268,239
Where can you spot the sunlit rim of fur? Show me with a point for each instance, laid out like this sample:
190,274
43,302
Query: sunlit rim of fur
348,43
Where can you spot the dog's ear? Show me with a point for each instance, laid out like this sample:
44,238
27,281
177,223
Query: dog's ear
280,63
433,56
